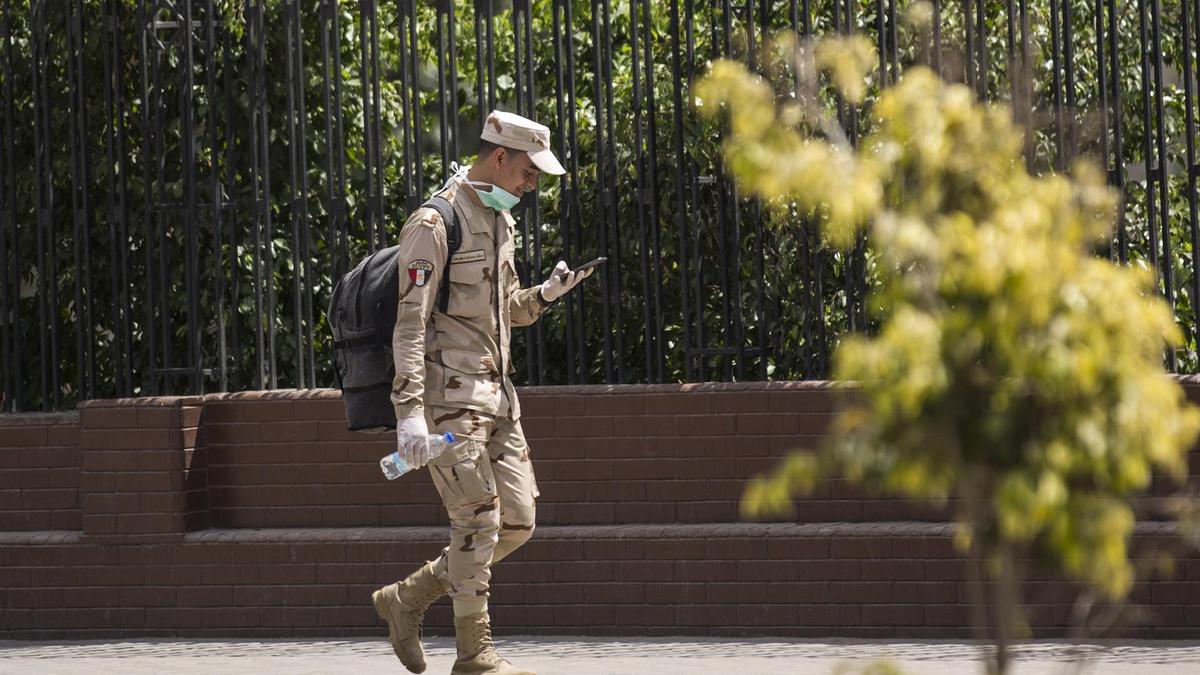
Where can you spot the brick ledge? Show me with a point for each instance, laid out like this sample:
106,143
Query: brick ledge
551,532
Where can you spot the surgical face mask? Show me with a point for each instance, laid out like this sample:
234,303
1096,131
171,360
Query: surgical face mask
492,196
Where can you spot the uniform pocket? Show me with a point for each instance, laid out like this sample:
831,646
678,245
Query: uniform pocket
471,429
470,289
468,379
467,482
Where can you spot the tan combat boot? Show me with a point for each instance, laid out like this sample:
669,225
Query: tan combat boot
402,605
476,653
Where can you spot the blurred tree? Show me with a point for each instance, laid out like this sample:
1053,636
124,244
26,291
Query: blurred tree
1013,371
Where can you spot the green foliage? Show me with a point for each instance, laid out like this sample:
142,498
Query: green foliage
1012,369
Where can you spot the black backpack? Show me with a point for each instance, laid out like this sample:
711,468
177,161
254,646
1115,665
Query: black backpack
362,315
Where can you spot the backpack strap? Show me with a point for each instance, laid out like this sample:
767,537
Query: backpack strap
453,240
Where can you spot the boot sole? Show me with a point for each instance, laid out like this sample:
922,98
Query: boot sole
380,604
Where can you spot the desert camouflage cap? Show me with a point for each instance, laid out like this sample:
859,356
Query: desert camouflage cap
518,133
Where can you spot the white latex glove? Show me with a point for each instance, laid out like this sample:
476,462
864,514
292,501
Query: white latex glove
562,280
412,440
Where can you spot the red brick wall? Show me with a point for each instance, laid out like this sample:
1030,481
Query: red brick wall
258,514
603,455
836,580
39,472
142,478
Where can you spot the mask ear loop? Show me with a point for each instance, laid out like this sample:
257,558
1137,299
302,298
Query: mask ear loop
456,173
460,173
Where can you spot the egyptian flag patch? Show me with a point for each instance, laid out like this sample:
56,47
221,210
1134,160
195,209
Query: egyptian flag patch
419,271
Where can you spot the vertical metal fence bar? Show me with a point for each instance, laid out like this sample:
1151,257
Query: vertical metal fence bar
10,293
145,35
1019,76
442,9
44,193
372,137
1168,266
1193,217
1115,165
335,153
375,120
1070,100
881,43
682,169
218,222
409,98
736,346
1102,96
733,243
981,43
529,219
969,45
304,275
640,199
613,274
726,208
855,268
491,51
605,207
268,271
453,128
800,26
559,26
298,207
937,37
266,372
1060,160
191,201
811,271
1147,139
761,320
162,208
894,39
693,363
230,211
580,313
485,41
1014,71
447,54
75,150
117,181
652,165
577,351
81,211
483,57
1026,87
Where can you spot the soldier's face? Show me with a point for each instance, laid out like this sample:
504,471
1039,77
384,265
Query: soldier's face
514,172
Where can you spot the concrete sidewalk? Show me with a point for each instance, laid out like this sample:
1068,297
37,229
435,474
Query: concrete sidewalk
591,656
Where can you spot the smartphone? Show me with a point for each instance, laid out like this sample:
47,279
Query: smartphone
590,264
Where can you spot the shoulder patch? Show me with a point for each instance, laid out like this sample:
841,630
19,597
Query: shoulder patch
419,271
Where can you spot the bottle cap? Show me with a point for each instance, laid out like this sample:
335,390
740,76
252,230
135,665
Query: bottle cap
448,436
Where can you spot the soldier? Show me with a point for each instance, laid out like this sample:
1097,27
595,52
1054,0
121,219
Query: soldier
452,375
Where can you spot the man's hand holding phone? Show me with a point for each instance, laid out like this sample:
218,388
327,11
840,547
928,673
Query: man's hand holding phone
563,278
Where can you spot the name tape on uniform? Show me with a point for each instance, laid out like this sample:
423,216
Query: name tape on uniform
467,257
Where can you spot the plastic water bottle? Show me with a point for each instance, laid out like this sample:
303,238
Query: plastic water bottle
394,465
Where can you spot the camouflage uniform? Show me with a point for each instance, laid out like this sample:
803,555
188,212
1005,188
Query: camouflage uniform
453,367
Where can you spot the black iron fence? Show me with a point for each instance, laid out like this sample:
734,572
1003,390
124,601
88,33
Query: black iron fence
182,181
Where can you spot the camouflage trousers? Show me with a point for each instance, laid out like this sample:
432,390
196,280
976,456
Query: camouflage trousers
488,487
